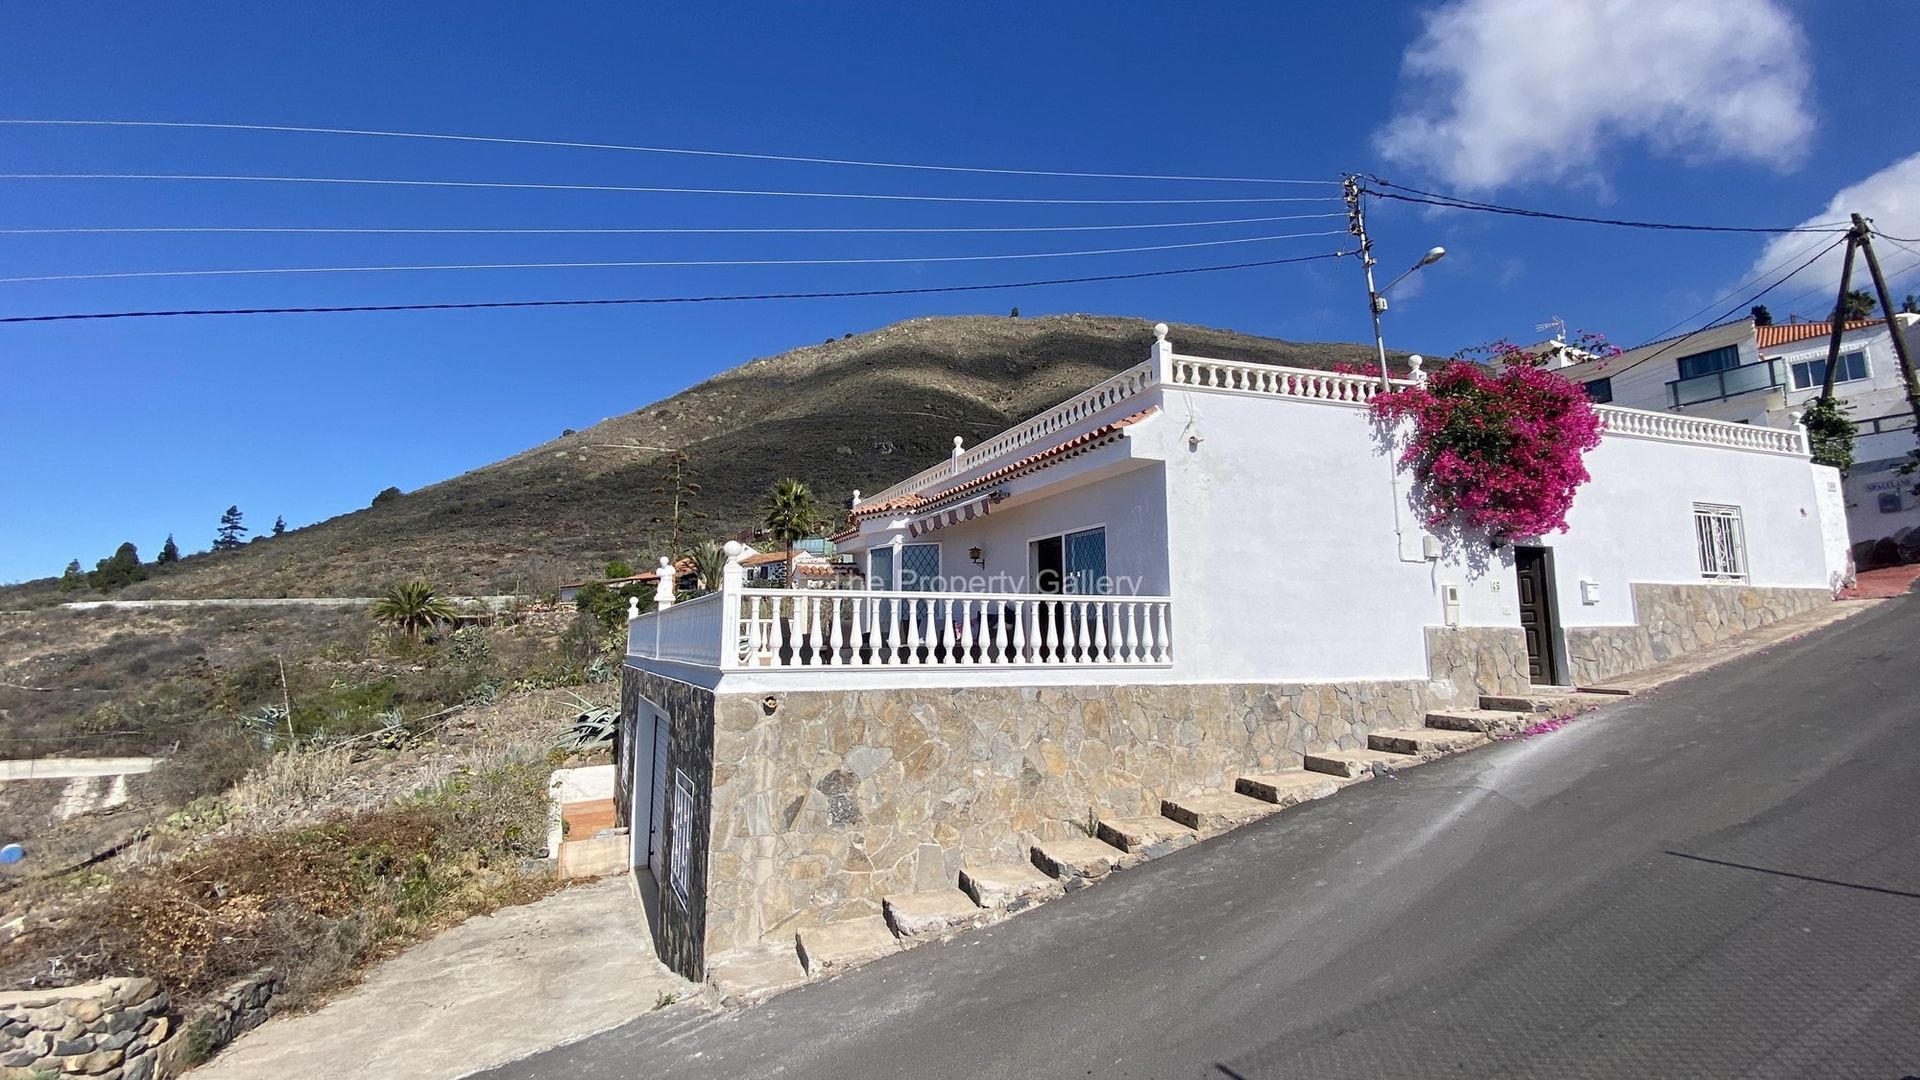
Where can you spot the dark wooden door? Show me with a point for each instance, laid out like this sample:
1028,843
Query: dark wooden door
1534,567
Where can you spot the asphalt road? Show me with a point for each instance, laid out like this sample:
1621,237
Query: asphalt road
1717,879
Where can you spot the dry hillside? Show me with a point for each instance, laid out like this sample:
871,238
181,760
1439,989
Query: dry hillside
860,412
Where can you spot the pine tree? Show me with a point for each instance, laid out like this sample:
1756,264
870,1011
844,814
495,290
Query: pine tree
118,570
279,525
74,579
169,551
1761,316
231,530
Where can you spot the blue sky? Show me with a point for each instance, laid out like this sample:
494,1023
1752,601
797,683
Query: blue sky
1739,112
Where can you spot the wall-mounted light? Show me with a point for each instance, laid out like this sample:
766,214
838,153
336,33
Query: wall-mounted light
979,557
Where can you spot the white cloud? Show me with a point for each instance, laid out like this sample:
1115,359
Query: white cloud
1891,197
1500,91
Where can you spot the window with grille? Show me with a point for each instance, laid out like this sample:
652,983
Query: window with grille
919,567
1087,562
679,868
1722,542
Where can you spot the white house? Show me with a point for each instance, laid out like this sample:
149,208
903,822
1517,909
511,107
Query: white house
1753,374
1196,571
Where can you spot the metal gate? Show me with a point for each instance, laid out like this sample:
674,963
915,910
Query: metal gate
657,817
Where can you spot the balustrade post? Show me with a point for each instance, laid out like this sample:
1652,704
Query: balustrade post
732,580
1162,355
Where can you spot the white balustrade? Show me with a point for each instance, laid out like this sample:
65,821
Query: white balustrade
1674,427
807,628
1307,384
689,632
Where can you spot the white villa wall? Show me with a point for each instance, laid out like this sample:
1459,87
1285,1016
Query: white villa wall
1633,523
1131,505
1281,525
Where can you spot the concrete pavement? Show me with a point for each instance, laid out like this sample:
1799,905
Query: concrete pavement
1718,877
489,990
70,768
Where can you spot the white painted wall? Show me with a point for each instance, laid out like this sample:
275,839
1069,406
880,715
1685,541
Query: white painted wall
1281,521
1107,487
1633,522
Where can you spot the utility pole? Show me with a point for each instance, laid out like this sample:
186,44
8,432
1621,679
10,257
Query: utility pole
1357,225
1864,228
1839,309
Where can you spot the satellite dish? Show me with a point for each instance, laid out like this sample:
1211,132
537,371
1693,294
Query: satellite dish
12,853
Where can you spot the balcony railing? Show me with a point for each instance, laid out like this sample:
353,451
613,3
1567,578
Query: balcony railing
781,628
743,629
1715,386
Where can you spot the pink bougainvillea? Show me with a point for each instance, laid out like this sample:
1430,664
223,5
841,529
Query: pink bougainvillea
1495,452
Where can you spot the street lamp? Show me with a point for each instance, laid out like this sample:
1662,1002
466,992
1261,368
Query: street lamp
1377,300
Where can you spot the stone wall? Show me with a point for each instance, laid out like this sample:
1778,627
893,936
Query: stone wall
832,800
114,1029
1670,620
1468,661
679,930
121,1029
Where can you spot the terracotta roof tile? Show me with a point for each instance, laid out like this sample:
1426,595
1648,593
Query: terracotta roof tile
1769,337
1033,461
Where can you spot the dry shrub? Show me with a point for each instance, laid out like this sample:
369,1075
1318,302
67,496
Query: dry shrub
313,903
289,780
215,758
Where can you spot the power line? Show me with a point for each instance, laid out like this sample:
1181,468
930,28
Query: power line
663,262
1828,286
1747,284
1456,203
474,306
1744,304
435,136
655,190
358,230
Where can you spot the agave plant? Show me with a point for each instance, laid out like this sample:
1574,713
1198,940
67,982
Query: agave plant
412,607
592,727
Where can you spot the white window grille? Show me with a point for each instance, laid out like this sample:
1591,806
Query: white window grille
677,864
1722,542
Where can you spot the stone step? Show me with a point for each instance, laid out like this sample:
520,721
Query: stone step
835,947
1216,811
1360,764
1007,887
1487,721
1078,861
934,914
1287,788
750,976
1147,837
1424,742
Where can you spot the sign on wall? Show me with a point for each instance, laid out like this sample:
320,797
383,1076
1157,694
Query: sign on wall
679,857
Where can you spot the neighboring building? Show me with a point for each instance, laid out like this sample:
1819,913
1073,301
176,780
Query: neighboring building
684,579
1766,375
1195,571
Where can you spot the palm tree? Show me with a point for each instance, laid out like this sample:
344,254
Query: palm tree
709,560
412,607
791,516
